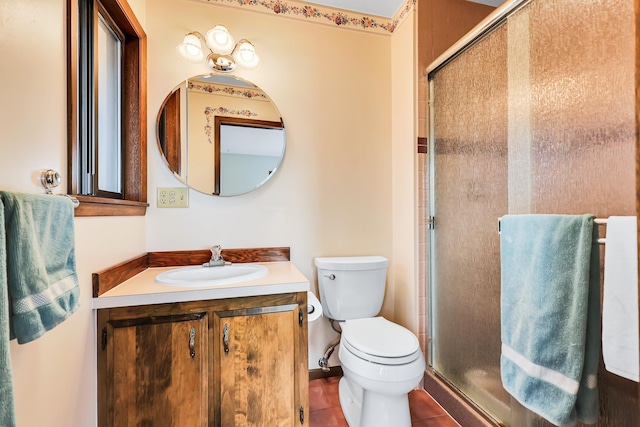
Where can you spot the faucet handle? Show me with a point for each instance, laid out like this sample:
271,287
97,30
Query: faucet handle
216,257
215,252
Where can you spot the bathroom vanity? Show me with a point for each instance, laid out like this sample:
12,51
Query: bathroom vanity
210,356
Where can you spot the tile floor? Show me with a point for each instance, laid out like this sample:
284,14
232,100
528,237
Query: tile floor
325,407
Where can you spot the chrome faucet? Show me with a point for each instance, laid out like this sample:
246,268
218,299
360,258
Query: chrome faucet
216,257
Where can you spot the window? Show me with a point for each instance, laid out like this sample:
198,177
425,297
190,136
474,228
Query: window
107,108
108,123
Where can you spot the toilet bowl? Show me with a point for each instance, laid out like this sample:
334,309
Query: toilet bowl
381,361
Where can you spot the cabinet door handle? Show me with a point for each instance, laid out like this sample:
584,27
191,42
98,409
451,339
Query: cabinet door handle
192,343
225,339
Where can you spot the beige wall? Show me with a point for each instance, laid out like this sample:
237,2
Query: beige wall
332,87
332,196
403,164
54,376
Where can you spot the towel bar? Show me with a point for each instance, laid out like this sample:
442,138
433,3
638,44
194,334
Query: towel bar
597,221
51,179
601,221
75,201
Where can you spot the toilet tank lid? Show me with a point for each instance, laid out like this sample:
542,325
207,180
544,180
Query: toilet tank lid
352,263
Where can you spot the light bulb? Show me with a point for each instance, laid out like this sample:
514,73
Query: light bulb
191,49
219,40
221,37
246,55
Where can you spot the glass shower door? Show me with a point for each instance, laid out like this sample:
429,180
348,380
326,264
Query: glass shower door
469,176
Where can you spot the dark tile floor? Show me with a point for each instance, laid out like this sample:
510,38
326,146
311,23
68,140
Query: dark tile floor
325,407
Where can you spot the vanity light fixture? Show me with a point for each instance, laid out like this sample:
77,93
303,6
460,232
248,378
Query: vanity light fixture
225,55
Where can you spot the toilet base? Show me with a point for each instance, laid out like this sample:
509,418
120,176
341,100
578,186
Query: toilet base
350,396
368,408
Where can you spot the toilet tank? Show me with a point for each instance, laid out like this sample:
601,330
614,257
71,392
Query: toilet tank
351,287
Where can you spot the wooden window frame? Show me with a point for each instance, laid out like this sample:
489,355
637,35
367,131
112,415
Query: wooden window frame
134,106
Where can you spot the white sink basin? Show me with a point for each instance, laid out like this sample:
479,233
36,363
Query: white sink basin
198,276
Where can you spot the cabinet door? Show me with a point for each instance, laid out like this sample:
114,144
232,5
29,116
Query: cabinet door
255,373
157,371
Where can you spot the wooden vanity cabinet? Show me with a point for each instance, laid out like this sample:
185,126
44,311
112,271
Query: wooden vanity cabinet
255,365
229,362
156,370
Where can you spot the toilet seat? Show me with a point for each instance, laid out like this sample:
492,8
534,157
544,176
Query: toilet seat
380,341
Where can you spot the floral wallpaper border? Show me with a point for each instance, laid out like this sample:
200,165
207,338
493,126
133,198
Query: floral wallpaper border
211,112
228,90
321,14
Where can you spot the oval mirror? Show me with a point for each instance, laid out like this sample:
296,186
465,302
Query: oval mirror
220,135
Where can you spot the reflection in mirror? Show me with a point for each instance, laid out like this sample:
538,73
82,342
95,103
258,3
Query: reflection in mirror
249,152
221,135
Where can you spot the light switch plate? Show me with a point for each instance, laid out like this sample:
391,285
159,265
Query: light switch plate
173,197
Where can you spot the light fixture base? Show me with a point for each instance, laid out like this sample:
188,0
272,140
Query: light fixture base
221,63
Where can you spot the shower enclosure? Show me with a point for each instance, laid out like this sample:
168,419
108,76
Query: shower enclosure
535,114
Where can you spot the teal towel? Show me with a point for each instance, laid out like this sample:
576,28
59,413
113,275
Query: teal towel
550,315
41,265
7,411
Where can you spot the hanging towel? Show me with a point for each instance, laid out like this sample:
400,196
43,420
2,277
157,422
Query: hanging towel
550,315
41,266
620,298
7,411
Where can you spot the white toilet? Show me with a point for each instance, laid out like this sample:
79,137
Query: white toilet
381,361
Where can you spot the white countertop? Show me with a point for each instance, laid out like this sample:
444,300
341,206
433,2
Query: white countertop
141,289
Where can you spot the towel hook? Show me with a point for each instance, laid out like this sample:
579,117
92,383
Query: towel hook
51,179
